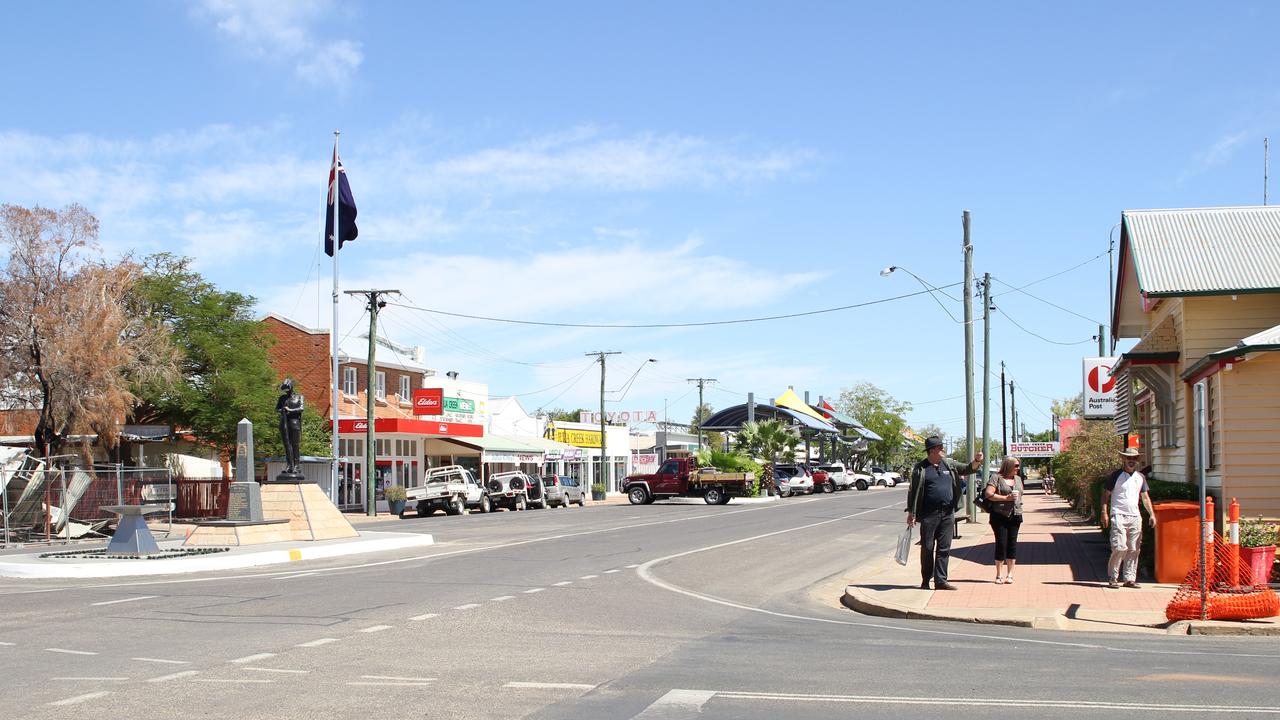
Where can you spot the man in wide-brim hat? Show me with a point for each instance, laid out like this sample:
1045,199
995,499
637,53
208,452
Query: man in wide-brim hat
1121,494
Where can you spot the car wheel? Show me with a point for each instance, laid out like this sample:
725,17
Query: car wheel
520,503
485,505
713,496
890,482
829,486
860,484
582,501
455,507
637,495
424,510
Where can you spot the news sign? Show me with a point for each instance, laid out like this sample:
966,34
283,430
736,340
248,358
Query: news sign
428,401
1099,388
1033,449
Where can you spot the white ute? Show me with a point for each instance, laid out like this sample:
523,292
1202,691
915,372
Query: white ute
451,488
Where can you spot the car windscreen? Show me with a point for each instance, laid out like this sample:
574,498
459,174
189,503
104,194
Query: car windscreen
783,472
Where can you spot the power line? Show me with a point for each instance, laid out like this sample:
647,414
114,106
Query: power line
668,325
1062,272
1046,302
1034,334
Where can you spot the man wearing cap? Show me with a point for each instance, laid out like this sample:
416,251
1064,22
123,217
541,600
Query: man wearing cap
937,486
1120,495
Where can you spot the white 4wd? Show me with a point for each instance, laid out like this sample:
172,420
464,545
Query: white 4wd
451,488
509,490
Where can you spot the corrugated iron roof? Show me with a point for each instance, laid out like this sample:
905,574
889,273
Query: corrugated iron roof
1205,250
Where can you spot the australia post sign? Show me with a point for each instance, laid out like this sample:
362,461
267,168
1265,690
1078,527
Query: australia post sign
1099,388
428,401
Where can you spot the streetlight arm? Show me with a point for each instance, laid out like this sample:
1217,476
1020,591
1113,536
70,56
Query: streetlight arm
931,288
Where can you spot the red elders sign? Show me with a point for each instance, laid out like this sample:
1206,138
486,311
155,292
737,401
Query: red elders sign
428,401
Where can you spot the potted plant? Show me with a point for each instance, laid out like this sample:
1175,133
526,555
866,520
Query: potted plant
1258,548
394,495
597,491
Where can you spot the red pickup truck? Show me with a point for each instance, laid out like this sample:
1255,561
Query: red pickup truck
681,477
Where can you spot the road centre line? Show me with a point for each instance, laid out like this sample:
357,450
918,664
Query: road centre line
317,643
378,683
88,678
435,556
610,572
252,658
645,572
562,583
123,600
239,681
502,598
996,702
375,628
81,698
424,616
468,606
174,676
633,566
588,577
7,644
278,670
396,678
162,661
550,686
64,651
531,591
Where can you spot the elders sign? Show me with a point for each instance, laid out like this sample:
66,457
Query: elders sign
1099,388
428,401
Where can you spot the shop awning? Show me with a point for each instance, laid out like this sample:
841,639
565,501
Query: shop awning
490,448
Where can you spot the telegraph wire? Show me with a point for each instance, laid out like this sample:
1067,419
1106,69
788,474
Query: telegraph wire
1034,334
1046,302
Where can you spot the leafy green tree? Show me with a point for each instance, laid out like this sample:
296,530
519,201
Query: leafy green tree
882,414
994,450
1081,470
562,415
768,440
1068,407
700,415
226,372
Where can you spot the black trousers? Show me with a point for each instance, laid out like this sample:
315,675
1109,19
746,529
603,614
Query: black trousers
936,532
1006,530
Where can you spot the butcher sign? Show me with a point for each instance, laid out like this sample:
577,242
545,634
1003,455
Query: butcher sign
1099,388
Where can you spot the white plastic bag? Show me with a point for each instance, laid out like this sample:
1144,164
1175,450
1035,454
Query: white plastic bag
904,547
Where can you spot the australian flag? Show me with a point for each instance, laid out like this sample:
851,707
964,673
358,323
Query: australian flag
340,192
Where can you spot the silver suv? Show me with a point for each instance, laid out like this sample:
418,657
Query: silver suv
562,491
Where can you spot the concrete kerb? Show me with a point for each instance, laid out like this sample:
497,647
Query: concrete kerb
32,566
910,603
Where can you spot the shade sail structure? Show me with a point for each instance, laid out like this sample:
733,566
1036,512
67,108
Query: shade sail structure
839,419
791,401
733,418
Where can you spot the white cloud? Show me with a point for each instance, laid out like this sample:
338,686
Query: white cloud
1219,153
284,31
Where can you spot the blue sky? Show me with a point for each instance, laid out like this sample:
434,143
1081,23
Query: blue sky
653,163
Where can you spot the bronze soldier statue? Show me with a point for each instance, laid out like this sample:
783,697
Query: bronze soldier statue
289,406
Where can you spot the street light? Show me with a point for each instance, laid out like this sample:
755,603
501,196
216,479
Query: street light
927,286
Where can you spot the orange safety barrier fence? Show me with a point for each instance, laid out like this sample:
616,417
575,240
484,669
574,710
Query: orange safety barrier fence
1230,591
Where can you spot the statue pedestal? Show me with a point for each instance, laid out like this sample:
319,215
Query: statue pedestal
288,478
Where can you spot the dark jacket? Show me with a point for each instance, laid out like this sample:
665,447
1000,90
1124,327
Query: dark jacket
958,471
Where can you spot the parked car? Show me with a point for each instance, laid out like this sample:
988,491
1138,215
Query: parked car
792,480
681,477
451,488
821,480
509,490
861,480
838,478
563,491
888,478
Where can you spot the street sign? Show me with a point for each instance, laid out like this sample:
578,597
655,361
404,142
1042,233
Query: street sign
1099,388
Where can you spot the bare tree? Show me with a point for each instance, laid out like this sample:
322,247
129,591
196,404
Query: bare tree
72,348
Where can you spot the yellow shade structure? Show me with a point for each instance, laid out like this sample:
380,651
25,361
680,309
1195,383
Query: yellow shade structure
791,401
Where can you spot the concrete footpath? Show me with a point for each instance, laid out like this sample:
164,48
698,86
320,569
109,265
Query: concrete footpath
1059,582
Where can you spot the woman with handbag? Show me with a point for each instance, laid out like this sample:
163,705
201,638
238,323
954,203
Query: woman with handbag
1004,495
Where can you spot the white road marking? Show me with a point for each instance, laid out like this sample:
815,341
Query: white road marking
95,679
610,572
318,643
678,703
468,606
502,598
375,628
550,686
633,566
588,577
531,591
425,616
174,676
123,600
81,698
70,652
238,681
376,683
278,670
397,678
162,661
6,644
252,658
996,702
562,583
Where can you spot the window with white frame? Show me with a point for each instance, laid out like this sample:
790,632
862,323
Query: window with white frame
404,388
381,385
349,380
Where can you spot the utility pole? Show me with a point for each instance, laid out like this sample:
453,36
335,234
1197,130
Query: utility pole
1102,342
701,382
604,445
986,384
968,361
370,444
1004,419
1013,414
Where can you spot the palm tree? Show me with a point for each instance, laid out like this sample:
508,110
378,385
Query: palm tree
768,440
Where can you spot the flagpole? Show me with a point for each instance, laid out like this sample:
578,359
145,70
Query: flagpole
335,189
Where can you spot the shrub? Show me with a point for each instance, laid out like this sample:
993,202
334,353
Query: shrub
1257,533
1081,470
735,462
393,493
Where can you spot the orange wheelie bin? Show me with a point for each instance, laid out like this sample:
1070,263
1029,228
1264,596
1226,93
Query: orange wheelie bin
1177,539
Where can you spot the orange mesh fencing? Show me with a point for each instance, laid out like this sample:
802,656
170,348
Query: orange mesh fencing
1230,593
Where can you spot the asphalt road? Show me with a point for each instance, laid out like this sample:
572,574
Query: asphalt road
658,611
